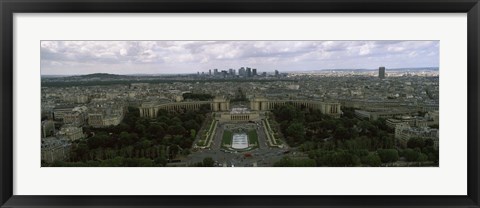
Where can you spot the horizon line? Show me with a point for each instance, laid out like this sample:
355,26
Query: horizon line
186,73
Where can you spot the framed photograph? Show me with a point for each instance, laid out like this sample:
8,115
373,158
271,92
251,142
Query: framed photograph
247,104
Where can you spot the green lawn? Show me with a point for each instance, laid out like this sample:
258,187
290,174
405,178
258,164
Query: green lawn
227,137
208,134
253,137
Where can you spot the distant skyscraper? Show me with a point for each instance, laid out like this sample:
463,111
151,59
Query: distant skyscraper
276,73
234,72
230,72
215,72
210,72
254,72
241,71
381,72
249,72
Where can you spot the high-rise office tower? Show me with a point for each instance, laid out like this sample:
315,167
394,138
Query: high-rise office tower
254,72
381,72
249,72
241,71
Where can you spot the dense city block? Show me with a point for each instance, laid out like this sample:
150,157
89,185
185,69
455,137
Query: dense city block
243,117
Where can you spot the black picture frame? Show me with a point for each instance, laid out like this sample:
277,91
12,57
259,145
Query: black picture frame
9,7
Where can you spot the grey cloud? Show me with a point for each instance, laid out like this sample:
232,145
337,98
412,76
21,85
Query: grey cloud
192,56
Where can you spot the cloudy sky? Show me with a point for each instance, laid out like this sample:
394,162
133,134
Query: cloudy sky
167,57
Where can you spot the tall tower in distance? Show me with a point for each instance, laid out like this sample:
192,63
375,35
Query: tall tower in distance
249,72
381,72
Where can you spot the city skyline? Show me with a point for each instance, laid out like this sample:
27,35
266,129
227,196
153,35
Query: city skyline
183,57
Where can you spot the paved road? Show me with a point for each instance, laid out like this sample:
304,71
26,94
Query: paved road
262,137
262,157
217,139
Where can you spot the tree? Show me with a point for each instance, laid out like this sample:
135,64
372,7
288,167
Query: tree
343,158
341,133
429,142
416,143
349,123
367,128
297,132
140,128
348,112
115,162
191,124
144,144
284,162
411,155
99,140
163,119
373,160
79,152
388,155
361,142
208,162
156,131
121,127
189,115
160,161
433,156
315,126
193,133
288,162
162,112
175,121
199,118
289,113
176,130
422,157
126,139
381,124
138,162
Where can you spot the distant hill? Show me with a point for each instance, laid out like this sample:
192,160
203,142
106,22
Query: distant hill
92,77
101,76
97,77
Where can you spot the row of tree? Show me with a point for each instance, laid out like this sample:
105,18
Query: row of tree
349,158
197,96
137,140
115,162
345,141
